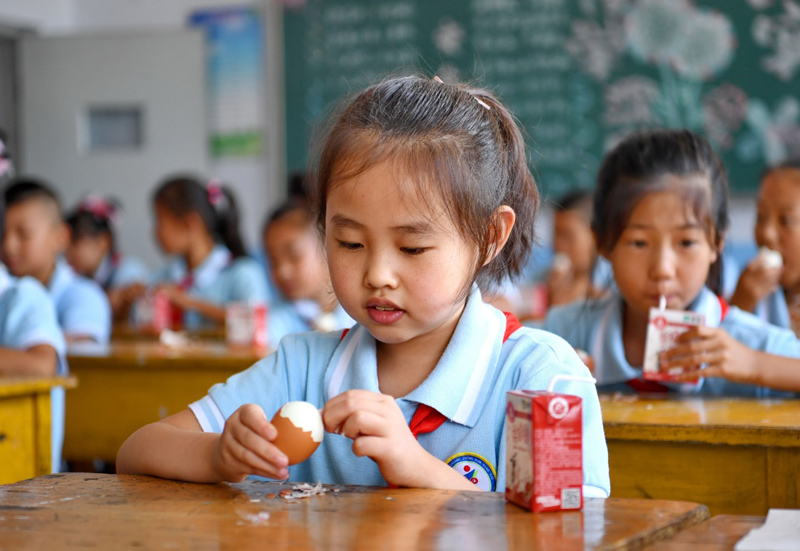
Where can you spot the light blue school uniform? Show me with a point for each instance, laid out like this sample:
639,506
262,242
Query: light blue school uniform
595,326
220,279
288,317
81,305
27,319
773,309
468,386
117,271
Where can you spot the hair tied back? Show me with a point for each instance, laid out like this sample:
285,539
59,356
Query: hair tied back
101,208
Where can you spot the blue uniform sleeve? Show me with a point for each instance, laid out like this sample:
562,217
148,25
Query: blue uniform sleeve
246,281
84,310
130,270
281,377
28,318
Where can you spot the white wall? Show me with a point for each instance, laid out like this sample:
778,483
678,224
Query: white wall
45,16
109,15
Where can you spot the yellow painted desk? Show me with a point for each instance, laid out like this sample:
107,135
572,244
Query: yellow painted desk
25,440
124,332
129,384
721,533
737,456
82,511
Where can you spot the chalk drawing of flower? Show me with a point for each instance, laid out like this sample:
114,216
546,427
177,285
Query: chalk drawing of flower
596,48
706,47
725,110
653,29
629,100
781,33
774,135
449,37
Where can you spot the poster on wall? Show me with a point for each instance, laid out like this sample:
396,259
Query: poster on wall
235,79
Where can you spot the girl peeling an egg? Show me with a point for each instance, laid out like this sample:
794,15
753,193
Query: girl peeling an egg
425,197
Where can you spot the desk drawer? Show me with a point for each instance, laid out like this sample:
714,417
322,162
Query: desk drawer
17,439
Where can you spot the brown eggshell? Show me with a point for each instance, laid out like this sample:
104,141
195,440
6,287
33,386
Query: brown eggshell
296,444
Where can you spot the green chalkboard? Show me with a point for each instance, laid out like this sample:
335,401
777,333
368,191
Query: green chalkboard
578,74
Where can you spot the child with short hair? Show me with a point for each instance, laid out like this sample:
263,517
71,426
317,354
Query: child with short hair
771,289
92,252
35,237
31,342
425,194
660,218
300,272
198,224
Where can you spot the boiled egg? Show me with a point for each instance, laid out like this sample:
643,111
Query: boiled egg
300,430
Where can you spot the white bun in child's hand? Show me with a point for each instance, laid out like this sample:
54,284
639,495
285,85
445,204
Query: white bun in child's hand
562,263
769,259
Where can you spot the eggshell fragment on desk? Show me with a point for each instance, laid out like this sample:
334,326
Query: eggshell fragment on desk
300,430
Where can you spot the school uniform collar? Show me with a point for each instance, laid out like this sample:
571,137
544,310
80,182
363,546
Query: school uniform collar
104,271
5,278
208,270
62,277
456,388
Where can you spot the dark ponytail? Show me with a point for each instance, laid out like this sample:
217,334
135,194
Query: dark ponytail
213,203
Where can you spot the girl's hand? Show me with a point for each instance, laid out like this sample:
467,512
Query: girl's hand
379,431
176,295
722,355
756,283
245,447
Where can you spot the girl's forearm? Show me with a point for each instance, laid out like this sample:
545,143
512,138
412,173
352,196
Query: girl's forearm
207,309
164,450
40,360
779,372
438,475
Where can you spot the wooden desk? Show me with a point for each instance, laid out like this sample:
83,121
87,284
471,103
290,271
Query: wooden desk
129,384
81,511
720,533
25,437
124,332
737,456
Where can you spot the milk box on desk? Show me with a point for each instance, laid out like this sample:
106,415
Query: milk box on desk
246,324
663,327
153,312
544,450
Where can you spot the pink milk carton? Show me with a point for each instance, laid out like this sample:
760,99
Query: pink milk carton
663,327
246,325
153,312
544,449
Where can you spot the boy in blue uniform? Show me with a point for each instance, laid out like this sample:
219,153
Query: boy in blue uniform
35,236
424,194
31,342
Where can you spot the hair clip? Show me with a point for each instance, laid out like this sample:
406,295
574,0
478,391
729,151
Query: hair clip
215,195
100,208
437,79
479,100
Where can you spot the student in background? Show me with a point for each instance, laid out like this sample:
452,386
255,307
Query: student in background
770,286
198,225
660,217
424,192
31,342
300,272
92,253
35,237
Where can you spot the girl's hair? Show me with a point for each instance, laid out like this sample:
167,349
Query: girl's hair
94,216
294,205
457,143
637,166
577,200
215,204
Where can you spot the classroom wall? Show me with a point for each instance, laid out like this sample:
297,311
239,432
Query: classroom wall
43,15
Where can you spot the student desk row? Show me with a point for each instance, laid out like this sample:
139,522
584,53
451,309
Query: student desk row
25,441
129,384
737,456
83,511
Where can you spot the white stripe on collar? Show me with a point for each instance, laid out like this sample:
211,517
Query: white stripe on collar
335,386
496,328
